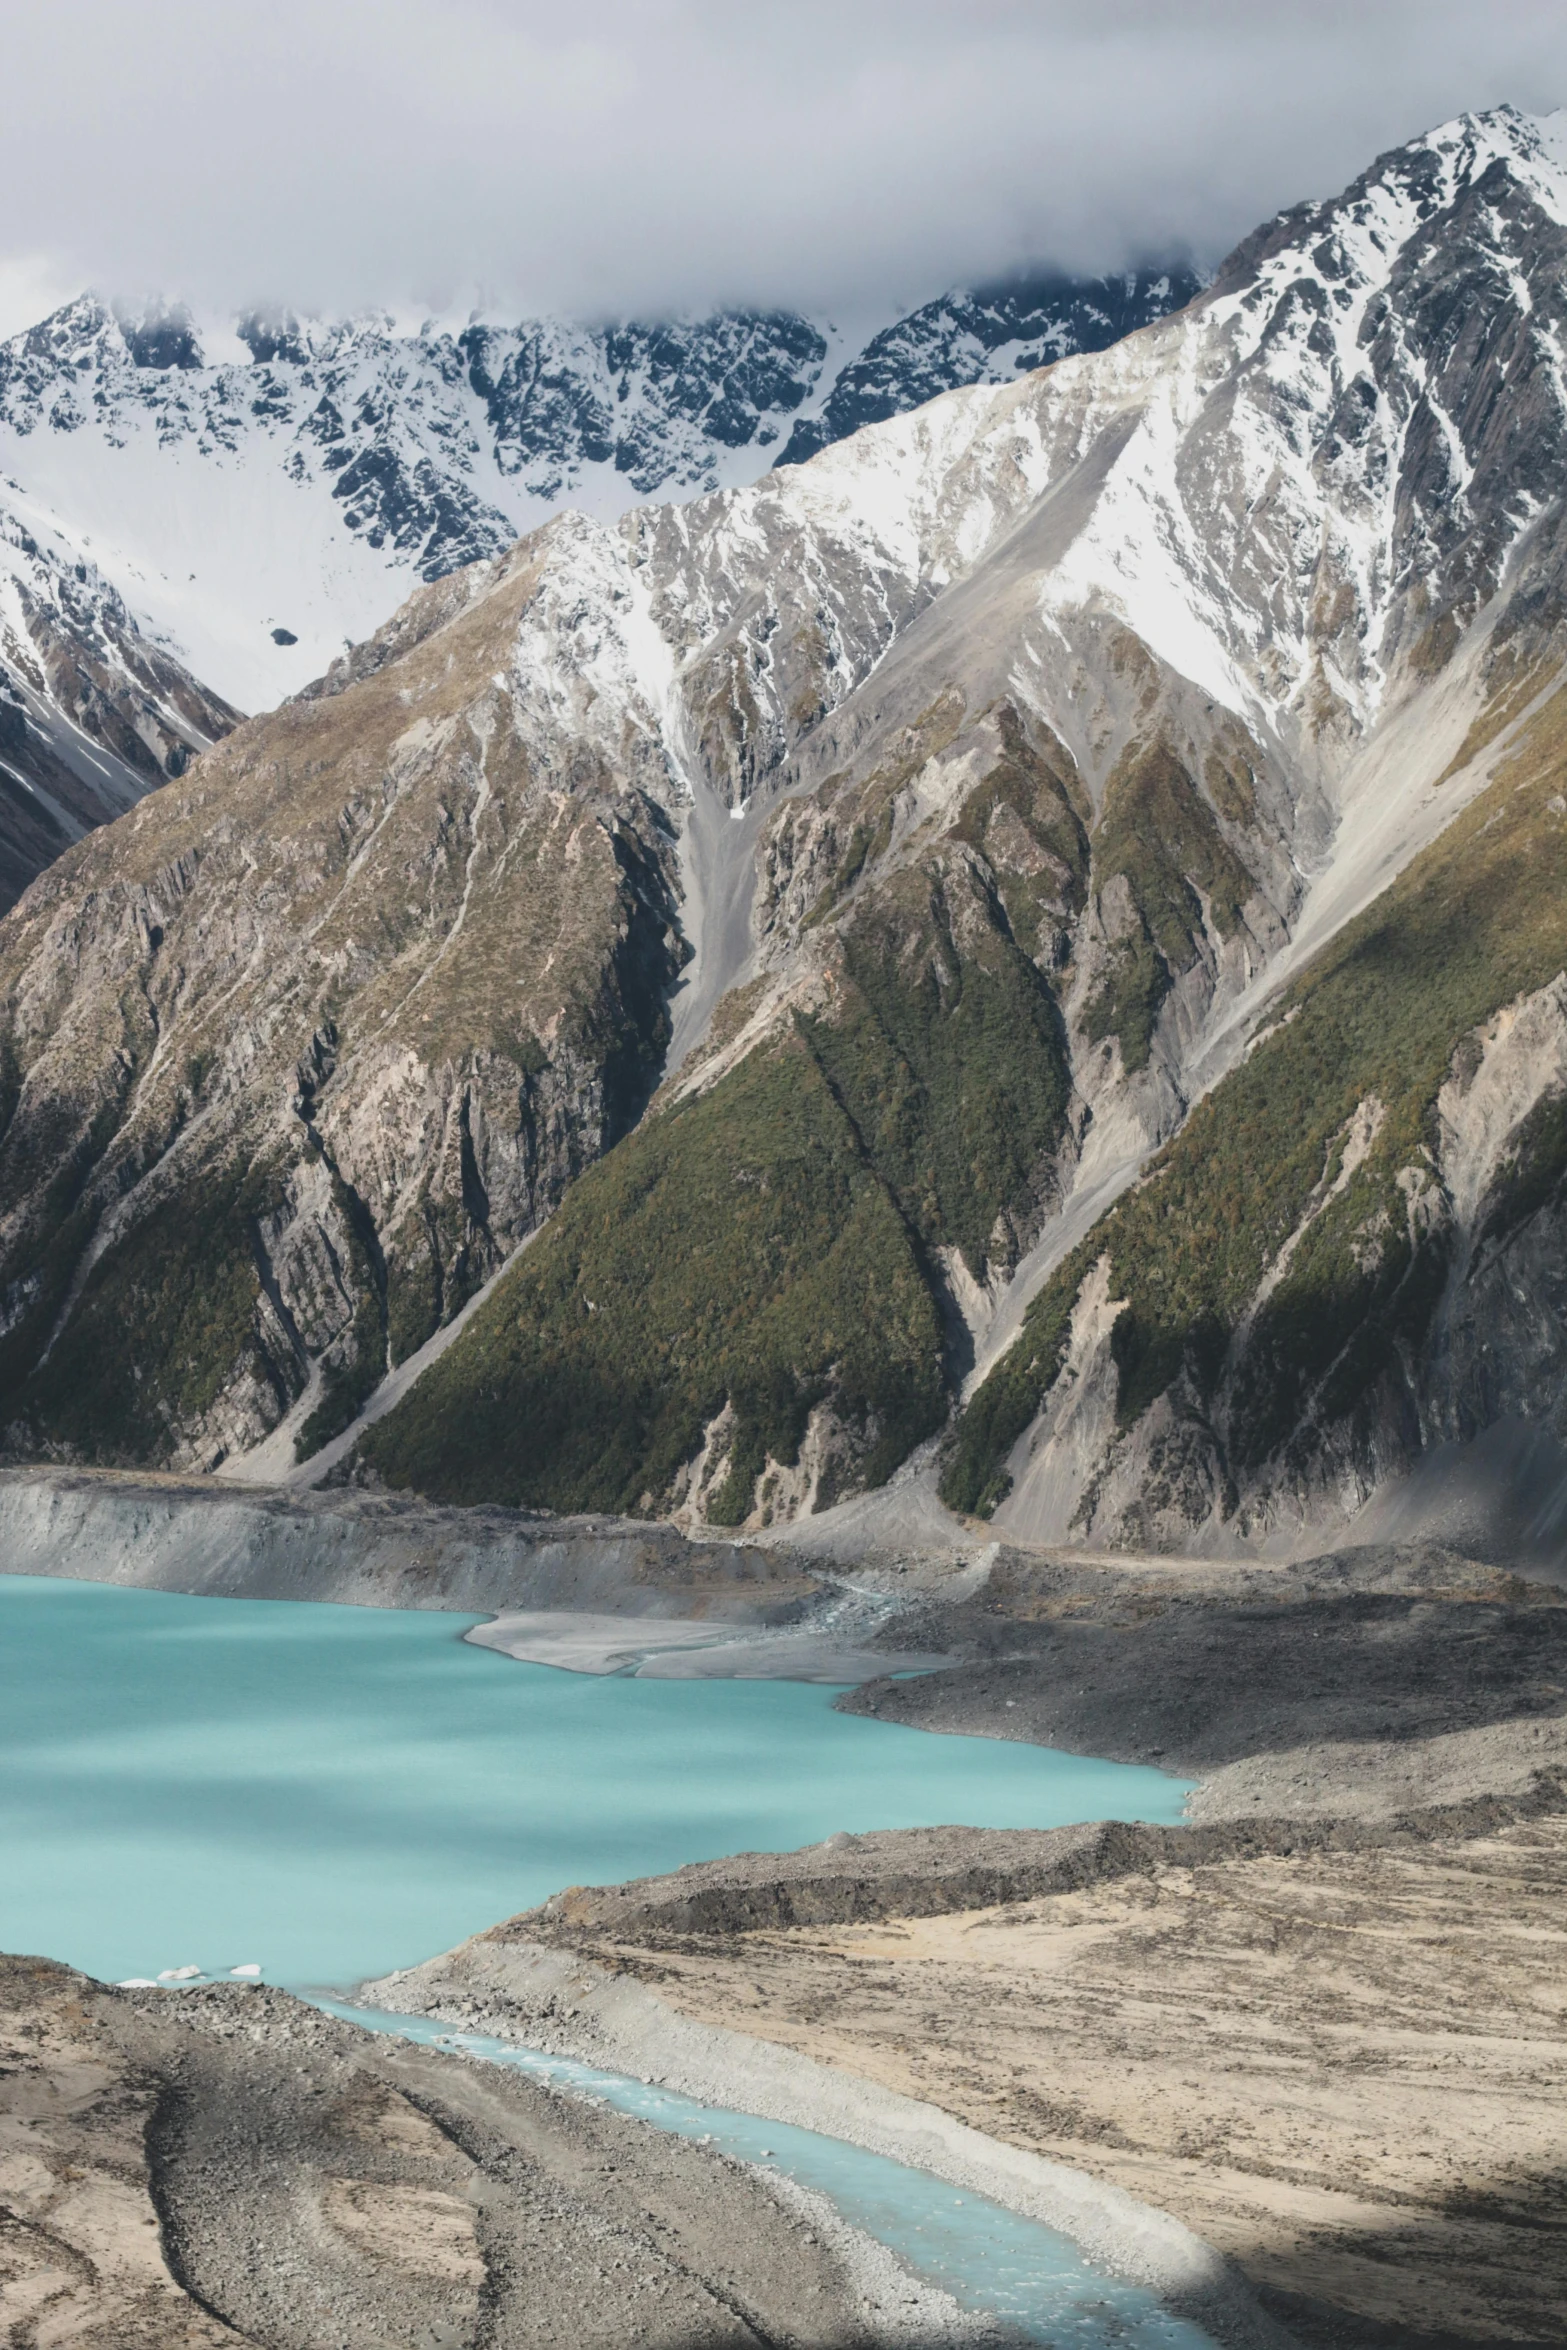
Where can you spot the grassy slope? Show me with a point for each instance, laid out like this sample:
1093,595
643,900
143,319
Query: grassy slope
952,1063
1159,834
771,1243
738,1246
1478,919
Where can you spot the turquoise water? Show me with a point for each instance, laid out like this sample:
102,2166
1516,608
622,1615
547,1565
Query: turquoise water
1034,2280
328,1792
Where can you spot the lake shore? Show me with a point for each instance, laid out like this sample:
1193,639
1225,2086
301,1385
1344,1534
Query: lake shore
555,1999
1320,2025
1337,2061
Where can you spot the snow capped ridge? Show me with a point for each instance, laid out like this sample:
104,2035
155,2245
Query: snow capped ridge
1078,707
1295,494
1259,530
91,715
275,473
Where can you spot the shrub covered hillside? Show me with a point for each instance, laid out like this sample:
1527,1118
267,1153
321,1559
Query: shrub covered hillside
1295,1285
758,1269
739,1251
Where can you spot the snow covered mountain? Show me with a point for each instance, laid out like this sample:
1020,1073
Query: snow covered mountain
1159,753
263,493
92,714
988,336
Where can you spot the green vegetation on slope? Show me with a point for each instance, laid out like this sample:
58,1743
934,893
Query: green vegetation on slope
769,1244
1028,815
164,1321
948,1053
1477,920
1160,836
737,1247
976,1479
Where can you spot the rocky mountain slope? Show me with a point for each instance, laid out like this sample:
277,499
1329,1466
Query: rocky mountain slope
241,503
938,821
92,714
1352,1254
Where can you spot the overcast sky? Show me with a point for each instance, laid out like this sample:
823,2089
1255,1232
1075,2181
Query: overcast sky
601,156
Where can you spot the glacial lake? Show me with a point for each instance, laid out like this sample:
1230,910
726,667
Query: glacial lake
328,1792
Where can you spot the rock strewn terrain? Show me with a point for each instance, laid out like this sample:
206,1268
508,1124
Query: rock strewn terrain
1323,2026
1199,1666
186,2171
1342,2067
210,1538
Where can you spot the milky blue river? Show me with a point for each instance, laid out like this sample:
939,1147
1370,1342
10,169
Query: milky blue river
324,1793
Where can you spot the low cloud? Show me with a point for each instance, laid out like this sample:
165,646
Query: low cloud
654,155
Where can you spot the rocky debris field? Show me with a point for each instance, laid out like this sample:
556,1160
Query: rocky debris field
180,2171
1343,2066
1259,1678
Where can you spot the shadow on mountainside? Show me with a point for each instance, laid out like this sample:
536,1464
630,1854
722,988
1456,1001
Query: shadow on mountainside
1514,2264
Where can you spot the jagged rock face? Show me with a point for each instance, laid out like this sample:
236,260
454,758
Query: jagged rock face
302,1049
991,335
92,714
1013,742
265,491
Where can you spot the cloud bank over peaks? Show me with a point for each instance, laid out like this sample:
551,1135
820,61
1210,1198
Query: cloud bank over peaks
651,156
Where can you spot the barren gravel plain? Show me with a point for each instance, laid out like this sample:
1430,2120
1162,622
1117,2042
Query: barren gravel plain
231,2167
